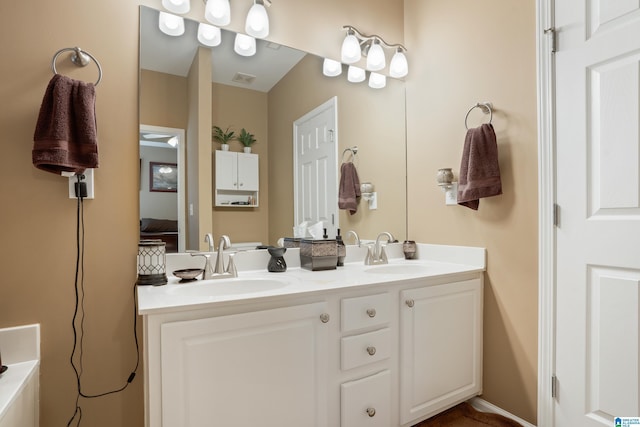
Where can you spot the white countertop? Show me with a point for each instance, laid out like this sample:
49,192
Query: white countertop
255,283
20,348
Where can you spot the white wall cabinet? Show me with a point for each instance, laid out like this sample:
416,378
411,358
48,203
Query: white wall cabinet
440,347
237,179
390,355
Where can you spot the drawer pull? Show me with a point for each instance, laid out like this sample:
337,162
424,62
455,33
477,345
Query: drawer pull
371,350
324,318
371,312
409,303
371,411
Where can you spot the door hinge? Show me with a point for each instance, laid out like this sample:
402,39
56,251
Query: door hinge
554,386
331,135
333,219
556,215
554,38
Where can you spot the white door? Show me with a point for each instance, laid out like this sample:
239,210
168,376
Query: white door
598,192
248,173
315,167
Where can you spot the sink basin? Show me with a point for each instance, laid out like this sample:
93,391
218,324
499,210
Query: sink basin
398,269
221,287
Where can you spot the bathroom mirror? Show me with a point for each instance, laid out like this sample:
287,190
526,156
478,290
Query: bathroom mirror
373,120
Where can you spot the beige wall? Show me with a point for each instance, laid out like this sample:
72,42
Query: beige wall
459,53
239,108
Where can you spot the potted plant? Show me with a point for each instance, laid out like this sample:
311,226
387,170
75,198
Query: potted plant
222,136
247,139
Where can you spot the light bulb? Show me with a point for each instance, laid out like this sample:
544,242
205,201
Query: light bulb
377,81
399,66
375,57
218,12
356,74
245,45
171,24
331,68
351,52
177,6
209,35
257,24
173,141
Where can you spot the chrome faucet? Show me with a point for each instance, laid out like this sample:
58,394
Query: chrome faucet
208,238
219,272
356,238
378,256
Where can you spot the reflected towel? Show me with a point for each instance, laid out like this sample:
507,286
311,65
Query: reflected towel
65,138
349,189
479,170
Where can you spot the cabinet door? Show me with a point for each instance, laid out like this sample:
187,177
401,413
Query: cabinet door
366,402
440,347
248,172
226,170
265,368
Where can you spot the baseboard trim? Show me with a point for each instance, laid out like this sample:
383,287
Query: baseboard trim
484,406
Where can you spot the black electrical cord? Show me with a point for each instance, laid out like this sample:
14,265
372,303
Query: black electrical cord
79,312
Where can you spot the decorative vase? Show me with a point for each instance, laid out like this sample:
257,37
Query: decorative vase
444,176
247,149
225,147
276,262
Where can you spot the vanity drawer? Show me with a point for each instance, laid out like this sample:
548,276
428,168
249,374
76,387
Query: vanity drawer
364,312
366,348
366,402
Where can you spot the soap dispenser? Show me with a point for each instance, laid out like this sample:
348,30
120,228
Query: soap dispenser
342,249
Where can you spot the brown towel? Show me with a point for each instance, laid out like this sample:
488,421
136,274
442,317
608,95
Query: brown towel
349,190
65,137
479,170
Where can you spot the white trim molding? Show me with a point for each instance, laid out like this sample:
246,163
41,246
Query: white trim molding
546,200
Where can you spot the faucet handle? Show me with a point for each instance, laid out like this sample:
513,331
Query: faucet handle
368,259
231,266
383,255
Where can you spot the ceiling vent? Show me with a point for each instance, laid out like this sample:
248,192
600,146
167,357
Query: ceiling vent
242,78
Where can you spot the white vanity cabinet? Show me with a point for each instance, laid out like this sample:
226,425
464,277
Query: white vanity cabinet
237,178
440,347
266,368
389,354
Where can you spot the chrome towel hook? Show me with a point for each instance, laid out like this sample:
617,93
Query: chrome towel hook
79,57
486,108
353,150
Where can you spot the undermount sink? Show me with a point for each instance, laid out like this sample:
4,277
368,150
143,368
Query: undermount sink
398,269
220,287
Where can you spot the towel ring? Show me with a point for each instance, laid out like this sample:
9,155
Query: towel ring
80,58
353,150
486,108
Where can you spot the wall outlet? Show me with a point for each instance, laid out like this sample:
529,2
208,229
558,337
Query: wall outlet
451,195
89,184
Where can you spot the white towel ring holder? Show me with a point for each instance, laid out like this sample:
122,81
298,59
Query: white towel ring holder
486,108
80,58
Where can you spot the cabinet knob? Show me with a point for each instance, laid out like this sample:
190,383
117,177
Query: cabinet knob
371,411
371,350
371,312
241,184
409,303
324,318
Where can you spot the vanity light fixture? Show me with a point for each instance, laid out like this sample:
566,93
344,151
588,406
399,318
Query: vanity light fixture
356,74
399,67
375,56
170,24
377,80
173,141
357,44
257,24
209,35
177,6
331,68
218,12
351,51
244,45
